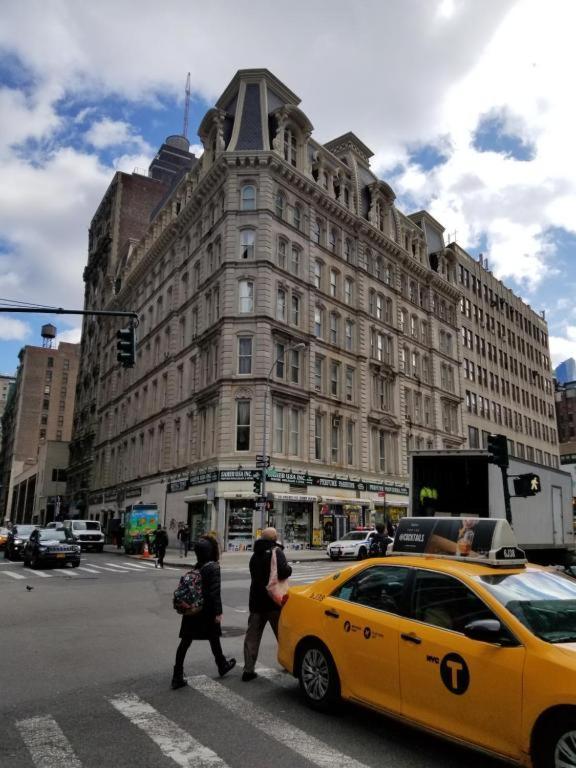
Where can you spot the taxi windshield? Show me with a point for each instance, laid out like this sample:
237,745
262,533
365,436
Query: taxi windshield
544,602
354,536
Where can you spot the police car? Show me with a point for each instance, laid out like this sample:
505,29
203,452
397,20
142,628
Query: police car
353,544
453,632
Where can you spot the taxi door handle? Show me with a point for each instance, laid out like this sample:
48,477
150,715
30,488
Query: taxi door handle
332,614
411,638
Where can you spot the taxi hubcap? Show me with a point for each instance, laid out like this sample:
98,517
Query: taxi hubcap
315,674
565,754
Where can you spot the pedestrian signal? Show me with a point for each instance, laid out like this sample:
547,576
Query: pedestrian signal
527,485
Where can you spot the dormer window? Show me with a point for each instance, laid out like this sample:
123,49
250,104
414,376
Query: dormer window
290,146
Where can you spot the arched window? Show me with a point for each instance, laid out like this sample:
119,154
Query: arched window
348,251
389,275
413,292
378,268
316,231
281,258
280,204
333,239
247,238
369,261
317,274
248,201
297,221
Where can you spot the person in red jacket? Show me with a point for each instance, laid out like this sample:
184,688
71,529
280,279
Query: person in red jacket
262,608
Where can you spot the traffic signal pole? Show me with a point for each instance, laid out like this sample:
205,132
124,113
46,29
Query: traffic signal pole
507,506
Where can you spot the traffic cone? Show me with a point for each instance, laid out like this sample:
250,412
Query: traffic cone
145,552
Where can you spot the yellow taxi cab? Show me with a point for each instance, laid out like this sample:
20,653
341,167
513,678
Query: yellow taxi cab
452,632
3,537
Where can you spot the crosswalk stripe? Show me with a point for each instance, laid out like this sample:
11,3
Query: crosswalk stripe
88,570
119,567
13,575
138,567
69,572
40,574
48,746
103,568
309,747
277,676
174,742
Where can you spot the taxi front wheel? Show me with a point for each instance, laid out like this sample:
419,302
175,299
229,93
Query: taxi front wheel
318,677
557,748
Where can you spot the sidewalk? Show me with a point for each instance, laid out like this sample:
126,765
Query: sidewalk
231,559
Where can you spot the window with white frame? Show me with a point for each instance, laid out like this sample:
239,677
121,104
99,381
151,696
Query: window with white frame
243,425
295,309
245,354
318,373
348,283
350,376
247,239
316,231
297,216
402,320
349,335
290,146
319,322
280,204
379,306
334,378
248,201
333,240
334,322
246,296
281,255
280,362
295,260
333,282
348,251
281,304
318,274
319,436
278,429
414,327
294,444
335,440
350,442
295,366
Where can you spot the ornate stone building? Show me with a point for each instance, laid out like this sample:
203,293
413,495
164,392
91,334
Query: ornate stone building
277,270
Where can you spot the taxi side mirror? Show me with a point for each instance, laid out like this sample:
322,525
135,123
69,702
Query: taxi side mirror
485,630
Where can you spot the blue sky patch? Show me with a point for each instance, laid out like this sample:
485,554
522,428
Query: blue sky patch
491,135
427,156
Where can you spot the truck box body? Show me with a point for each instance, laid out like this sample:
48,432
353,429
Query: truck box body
466,483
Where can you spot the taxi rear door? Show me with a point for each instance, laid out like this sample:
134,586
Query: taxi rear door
469,689
362,621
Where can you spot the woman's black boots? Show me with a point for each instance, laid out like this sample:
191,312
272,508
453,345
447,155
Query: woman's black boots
225,666
178,679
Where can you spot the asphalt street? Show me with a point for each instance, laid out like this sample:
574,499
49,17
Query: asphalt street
86,658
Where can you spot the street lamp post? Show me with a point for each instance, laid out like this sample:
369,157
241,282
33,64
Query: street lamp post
289,348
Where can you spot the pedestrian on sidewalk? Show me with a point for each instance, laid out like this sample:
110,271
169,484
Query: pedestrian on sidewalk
183,536
205,625
160,544
262,608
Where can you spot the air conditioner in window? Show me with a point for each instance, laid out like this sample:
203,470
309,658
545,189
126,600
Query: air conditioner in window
336,421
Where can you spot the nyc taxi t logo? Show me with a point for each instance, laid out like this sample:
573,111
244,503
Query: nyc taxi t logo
453,672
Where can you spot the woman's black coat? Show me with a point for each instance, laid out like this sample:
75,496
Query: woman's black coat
203,625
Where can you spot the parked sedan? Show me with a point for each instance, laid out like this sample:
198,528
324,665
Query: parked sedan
47,546
16,540
354,544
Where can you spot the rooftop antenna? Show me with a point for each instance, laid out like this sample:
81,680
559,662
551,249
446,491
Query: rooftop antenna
186,107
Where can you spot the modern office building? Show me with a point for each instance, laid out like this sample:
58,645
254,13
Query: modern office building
289,308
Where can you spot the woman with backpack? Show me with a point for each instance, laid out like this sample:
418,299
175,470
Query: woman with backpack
202,616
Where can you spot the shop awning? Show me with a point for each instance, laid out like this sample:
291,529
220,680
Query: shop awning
344,500
293,497
390,503
238,495
196,497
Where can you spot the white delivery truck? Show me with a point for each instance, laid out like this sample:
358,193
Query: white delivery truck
466,483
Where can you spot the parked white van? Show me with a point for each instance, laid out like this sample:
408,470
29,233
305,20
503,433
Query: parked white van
87,533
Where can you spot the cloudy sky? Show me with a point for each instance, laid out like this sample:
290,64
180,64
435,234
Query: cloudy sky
467,104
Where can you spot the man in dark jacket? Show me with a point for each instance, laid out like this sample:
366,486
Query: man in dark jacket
160,544
262,608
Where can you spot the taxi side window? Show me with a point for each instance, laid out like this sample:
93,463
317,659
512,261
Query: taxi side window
380,587
445,602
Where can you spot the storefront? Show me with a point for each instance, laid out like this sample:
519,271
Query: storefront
339,515
198,515
240,520
292,515
389,510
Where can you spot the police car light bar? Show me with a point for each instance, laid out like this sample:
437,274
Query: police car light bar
479,540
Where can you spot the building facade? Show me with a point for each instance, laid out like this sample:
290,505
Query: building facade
506,371
278,270
40,409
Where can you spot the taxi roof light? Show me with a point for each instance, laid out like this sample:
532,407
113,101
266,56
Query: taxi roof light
480,540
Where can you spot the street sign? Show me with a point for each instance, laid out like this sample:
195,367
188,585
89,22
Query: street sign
262,462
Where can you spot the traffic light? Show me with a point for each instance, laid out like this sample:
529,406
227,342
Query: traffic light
527,485
498,447
126,346
257,485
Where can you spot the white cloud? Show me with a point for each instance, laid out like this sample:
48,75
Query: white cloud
112,133
13,330
71,336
